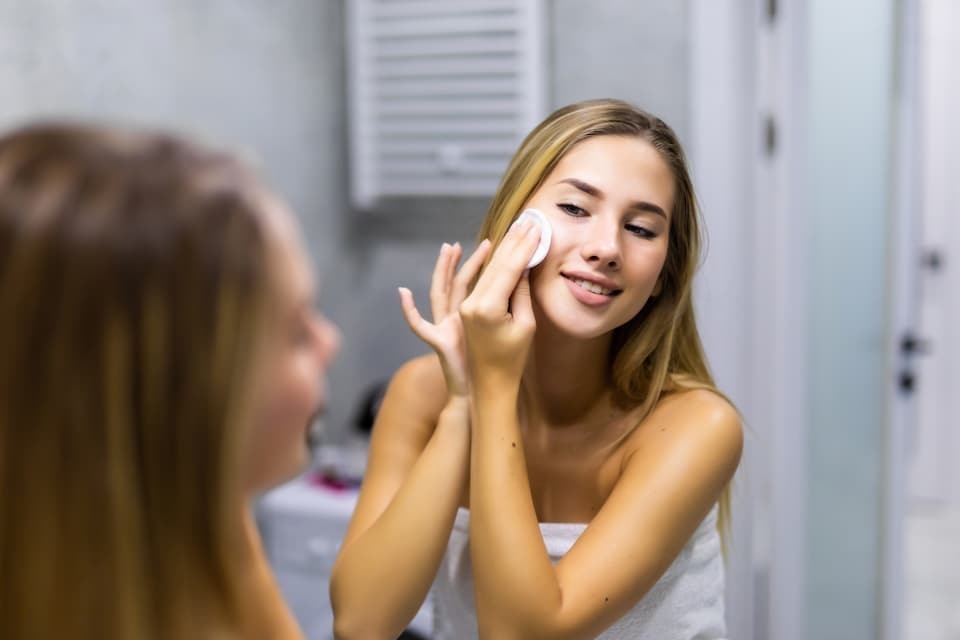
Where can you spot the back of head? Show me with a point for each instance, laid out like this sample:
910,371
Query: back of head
132,288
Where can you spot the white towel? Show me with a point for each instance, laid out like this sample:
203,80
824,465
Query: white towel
687,603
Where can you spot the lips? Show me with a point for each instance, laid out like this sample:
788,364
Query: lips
592,287
590,292
593,284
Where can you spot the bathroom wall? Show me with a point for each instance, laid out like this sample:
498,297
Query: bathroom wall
619,48
268,79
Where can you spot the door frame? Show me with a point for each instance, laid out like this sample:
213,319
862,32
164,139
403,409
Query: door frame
747,70
902,313
749,77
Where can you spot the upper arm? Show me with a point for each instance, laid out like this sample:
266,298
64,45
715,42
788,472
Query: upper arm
666,488
404,424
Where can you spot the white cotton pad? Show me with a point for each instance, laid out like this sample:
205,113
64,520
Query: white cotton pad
545,234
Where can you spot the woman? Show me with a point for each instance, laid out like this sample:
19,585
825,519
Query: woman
562,457
161,364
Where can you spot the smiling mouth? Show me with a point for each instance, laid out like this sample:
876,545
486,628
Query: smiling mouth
593,287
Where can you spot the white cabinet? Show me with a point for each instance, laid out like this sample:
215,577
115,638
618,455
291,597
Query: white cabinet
303,524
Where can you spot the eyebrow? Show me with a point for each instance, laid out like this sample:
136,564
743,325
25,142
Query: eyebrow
590,190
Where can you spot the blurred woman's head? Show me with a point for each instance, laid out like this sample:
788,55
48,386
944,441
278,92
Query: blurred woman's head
160,363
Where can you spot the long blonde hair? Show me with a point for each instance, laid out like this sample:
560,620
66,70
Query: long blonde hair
132,292
659,350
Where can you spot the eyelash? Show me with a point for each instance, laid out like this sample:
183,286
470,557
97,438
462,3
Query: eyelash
303,333
572,210
578,212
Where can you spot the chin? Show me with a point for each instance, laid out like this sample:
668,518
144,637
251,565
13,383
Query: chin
299,463
569,324
282,470
554,307
577,323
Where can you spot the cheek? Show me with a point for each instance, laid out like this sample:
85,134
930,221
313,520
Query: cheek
293,394
646,271
653,260
563,240
658,260
291,397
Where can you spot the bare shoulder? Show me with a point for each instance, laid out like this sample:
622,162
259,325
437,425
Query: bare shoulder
699,425
676,465
423,369
404,425
702,405
415,397
419,385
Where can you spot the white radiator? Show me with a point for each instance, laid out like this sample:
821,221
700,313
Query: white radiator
441,93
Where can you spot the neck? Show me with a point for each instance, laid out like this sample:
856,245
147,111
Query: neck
566,378
269,615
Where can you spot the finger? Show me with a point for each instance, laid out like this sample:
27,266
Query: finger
508,262
468,272
456,251
521,303
420,327
439,284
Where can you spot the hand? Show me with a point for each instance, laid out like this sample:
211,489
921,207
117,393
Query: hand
498,320
448,287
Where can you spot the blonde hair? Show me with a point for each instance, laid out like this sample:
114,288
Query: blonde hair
659,350
132,292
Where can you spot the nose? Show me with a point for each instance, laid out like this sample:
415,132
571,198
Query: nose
601,246
328,339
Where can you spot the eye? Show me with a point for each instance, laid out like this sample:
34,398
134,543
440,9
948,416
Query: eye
302,333
301,336
572,209
642,232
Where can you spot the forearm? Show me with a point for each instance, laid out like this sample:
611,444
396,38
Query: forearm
392,564
515,582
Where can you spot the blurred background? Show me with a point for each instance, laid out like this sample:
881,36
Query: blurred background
822,137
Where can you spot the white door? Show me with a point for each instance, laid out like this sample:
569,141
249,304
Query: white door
931,577
904,342
934,443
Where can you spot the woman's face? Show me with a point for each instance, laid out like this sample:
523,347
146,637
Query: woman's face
299,347
608,201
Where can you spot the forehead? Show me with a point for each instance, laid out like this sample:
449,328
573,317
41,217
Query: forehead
622,167
289,260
